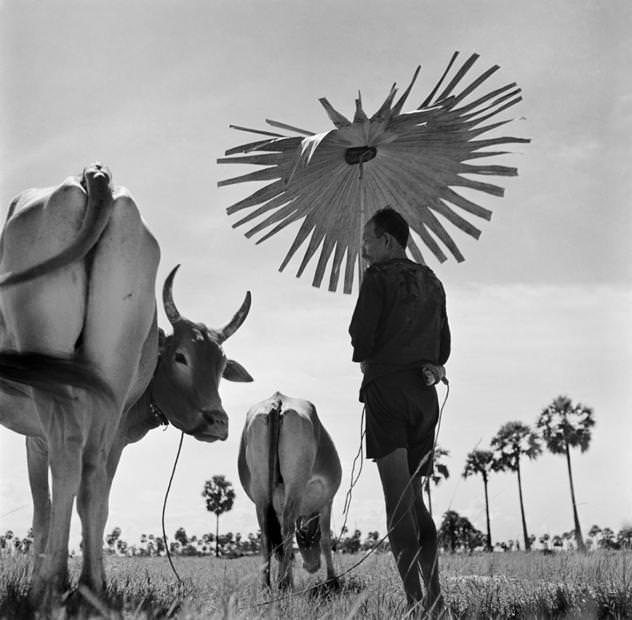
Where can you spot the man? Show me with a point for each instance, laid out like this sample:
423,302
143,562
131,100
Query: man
400,336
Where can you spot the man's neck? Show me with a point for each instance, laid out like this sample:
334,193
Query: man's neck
388,260
395,254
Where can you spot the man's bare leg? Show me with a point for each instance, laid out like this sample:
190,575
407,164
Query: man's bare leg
428,556
401,520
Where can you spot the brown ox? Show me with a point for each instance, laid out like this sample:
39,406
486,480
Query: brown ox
185,383
80,346
289,467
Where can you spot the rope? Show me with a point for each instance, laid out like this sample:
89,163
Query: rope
354,478
164,506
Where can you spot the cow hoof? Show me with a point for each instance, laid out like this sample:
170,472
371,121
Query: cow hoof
333,583
47,602
285,584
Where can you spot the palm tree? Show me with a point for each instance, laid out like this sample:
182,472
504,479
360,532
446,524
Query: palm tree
480,462
219,495
512,441
565,426
439,472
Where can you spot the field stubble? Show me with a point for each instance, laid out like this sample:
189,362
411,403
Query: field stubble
496,585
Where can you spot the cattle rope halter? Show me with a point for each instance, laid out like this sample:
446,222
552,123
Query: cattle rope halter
158,413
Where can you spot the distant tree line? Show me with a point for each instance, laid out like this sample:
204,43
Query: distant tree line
561,426
456,535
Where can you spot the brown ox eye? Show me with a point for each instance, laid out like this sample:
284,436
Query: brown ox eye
180,359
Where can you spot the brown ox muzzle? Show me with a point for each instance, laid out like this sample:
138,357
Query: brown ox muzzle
213,426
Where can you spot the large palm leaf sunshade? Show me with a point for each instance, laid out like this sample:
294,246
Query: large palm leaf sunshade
333,181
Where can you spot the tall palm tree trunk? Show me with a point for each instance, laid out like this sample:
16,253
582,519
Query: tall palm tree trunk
216,535
489,530
527,543
579,539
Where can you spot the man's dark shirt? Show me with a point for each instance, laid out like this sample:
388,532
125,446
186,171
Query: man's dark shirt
400,319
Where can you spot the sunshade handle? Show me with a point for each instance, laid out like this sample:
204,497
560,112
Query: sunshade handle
362,223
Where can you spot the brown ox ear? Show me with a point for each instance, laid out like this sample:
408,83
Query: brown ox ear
234,371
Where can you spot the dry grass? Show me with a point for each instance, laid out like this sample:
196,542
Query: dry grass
500,585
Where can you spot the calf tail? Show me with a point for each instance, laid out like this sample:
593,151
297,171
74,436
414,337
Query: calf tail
274,479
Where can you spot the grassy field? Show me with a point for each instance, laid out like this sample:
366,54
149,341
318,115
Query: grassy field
499,585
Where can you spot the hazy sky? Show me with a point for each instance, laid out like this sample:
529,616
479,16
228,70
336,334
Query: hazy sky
540,308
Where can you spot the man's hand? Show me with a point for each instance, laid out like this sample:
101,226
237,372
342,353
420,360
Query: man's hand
433,373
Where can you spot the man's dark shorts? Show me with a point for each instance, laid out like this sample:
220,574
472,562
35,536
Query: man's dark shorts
401,412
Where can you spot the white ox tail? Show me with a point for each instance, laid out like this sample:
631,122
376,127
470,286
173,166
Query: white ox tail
98,211
48,372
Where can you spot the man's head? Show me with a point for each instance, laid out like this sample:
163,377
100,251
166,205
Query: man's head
385,236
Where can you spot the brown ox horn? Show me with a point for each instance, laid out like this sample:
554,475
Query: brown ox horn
235,323
167,299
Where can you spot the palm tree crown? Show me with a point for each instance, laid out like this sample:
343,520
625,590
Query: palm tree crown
478,462
563,424
439,469
513,440
438,473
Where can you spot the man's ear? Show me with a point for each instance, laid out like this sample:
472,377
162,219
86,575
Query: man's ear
234,371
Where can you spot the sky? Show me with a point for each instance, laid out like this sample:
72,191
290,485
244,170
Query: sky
540,308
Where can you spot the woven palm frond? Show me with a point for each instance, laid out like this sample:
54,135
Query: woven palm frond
332,182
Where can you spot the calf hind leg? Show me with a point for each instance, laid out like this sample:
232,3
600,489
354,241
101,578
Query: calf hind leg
325,537
290,514
268,523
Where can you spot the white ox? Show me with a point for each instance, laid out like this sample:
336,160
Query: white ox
289,467
80,347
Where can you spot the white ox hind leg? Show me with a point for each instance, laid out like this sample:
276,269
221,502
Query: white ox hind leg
64,429
92,505
119,314
37,462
